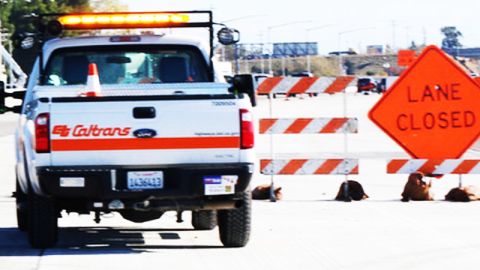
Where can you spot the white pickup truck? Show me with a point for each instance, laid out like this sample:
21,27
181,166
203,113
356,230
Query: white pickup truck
160,133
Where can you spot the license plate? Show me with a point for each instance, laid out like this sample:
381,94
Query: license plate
145,180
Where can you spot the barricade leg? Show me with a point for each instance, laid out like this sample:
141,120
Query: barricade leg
272,192
272,183
346,194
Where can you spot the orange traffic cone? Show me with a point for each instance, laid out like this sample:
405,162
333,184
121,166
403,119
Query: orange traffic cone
92,88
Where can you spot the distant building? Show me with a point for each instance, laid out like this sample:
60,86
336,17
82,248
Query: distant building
375,49
468,53
294,49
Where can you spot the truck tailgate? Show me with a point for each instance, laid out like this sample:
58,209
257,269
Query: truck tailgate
144,131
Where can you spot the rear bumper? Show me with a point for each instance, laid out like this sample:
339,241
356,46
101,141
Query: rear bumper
182,183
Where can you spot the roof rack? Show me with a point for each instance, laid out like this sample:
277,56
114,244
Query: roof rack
126,20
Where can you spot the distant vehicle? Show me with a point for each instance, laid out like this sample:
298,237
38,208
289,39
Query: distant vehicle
342,53
366,85
382,85
302,74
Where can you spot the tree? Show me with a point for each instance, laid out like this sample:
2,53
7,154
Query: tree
413,46
5,9
108,5
74,4
12,12
15,20
451,38
12,16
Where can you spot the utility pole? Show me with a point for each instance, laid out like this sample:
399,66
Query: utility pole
393,36
407,36
340,34
236,56
269,30
236,47
307,39
424,36
262,64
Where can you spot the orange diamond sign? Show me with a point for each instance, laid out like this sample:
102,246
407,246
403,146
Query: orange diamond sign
433,109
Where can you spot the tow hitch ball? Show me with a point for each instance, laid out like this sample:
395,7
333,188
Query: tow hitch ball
97,217
179,216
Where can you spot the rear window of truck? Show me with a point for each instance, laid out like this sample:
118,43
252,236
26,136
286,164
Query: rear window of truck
127,65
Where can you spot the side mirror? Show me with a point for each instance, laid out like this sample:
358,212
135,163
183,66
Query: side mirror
16,95
245,83
228,79
228,36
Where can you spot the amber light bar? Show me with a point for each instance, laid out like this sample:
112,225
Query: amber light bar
122,20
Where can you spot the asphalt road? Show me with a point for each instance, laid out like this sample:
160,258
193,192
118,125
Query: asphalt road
306,230
8,122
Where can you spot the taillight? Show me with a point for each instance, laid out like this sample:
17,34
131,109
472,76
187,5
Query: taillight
246,127
42,133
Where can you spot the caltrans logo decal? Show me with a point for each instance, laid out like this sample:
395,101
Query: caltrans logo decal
90,131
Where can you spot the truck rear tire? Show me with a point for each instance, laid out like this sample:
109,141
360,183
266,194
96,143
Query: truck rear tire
22,208
234,224
43,222
204,220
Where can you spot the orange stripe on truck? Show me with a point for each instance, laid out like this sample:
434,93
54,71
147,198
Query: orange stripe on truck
145,144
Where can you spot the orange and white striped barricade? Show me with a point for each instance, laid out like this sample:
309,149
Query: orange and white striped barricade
308,125
271,126
433,166
304,85
340,125
309,166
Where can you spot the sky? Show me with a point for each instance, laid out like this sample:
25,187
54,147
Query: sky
339,24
